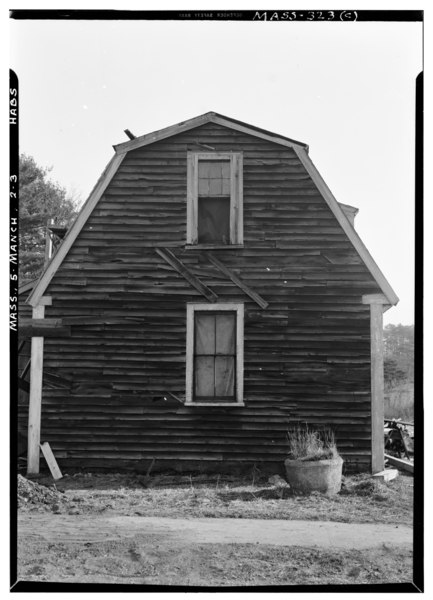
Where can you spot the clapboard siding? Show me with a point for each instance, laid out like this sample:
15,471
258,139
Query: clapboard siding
24,345
307,356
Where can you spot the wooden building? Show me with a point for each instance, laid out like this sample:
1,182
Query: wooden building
211,293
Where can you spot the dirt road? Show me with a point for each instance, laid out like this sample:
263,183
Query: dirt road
62,528
206,551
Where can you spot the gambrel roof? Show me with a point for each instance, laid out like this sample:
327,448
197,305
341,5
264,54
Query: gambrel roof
122,149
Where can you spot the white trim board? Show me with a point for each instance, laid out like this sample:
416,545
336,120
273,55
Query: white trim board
191,308
236,194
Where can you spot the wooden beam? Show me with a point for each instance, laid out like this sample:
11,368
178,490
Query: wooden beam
51,461
192,195
400,463
45,301
377,396
178,266
43,327
374,299
398,422
35,400
237,281
47,323
46,332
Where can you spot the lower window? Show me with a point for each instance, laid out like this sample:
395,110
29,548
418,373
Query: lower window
214,361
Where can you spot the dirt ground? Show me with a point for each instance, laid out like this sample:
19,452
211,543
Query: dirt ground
150,560
157,558
361,499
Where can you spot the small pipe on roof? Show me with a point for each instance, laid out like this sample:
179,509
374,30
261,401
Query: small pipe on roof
129,134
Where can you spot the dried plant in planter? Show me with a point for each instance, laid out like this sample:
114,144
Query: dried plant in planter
307,444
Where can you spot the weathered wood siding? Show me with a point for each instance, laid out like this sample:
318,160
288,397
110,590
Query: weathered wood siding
24,346
307,356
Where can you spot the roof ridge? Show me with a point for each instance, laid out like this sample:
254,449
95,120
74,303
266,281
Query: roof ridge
208,117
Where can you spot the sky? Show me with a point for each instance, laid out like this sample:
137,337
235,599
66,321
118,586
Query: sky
345,89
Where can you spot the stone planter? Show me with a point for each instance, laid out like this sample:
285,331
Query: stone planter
308,476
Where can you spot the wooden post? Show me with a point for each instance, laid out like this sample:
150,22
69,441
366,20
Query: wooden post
376,302
35,399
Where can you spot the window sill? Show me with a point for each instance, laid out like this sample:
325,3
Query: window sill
233,404
212,246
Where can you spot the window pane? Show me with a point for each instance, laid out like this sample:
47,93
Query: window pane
213,178
204,333
225,333
224,376
214,220
205,376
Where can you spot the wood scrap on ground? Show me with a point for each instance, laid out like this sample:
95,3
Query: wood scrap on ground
51,461
405,465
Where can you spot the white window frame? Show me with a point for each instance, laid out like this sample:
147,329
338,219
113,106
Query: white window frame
191,308
236,196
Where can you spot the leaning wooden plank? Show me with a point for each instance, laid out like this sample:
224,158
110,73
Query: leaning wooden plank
43,328
48,332
397,422
178,266
243,286
39,322
400,463
51,461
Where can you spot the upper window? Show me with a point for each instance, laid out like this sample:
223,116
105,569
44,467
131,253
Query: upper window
214,363
214,215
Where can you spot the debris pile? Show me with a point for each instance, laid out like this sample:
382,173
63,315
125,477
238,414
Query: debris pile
31,492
